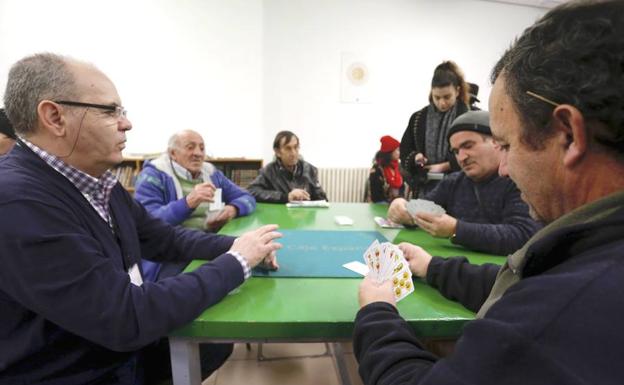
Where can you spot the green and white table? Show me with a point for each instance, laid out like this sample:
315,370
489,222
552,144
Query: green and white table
267,309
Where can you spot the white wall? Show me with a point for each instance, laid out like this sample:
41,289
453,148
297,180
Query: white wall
176,64
238,71
403,40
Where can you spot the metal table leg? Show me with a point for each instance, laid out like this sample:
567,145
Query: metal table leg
185,369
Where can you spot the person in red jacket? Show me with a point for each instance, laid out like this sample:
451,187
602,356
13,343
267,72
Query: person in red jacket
385,179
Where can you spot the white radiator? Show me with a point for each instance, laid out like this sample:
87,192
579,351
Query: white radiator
344,184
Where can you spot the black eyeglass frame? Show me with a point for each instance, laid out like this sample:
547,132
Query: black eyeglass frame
122,111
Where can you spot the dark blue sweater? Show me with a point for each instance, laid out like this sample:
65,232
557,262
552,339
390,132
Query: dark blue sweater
560,324
496,221
69,312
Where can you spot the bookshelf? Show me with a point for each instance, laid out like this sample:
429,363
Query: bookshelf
127,171
241,171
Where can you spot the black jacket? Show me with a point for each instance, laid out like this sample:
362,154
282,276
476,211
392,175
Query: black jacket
413,142
275,182
560,324
491,216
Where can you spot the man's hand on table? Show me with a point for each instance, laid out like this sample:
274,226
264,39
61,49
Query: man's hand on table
258,246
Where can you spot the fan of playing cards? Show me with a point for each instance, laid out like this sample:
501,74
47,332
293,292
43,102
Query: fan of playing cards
385,261
422,205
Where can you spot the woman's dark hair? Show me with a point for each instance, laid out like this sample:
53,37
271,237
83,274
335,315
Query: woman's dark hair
573,55
383,158
281,135
447,74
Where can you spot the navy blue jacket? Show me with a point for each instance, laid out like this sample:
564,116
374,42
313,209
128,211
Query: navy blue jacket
491,216
560,324
70,314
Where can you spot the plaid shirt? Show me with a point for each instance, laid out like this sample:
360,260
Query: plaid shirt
96,191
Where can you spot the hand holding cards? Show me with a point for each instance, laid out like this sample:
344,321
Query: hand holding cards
415,206
385,261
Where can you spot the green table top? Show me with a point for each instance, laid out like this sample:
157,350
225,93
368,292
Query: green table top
324,308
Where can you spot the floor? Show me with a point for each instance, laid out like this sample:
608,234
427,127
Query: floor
285,366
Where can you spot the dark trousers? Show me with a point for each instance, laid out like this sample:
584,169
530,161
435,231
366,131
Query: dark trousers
156,361
157,364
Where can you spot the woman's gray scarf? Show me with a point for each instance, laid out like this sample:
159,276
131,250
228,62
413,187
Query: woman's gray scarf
438,124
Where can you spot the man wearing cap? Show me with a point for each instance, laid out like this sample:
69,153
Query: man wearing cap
484,211
7,135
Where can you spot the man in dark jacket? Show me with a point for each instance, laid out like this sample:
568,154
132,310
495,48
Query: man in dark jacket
550,314
484,210
75,308
288,178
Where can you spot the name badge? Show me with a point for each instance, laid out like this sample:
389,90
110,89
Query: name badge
135,275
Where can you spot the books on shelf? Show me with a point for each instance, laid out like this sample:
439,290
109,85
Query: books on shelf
241,171
243,177
126,175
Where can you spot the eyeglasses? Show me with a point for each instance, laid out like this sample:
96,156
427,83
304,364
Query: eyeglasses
543,99
117,111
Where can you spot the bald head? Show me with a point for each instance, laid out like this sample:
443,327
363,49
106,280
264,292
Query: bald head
187,149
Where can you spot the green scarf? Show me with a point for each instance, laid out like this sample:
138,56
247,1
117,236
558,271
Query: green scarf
511,271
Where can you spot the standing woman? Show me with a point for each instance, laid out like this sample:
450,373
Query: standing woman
424,147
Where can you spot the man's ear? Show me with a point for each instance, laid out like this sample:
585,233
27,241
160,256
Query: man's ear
570,123
51,119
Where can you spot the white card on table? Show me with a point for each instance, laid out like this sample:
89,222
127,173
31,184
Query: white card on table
357,266
387,223
343,220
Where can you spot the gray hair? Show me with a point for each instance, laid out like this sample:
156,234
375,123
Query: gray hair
42,76
572,55
173,144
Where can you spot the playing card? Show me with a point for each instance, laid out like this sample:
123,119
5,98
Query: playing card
343,220
372,257
386,262
387,224
422,205
402,280
217,203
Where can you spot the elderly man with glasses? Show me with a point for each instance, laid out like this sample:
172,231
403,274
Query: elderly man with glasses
75,309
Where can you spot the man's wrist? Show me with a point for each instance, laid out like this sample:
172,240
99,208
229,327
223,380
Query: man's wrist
234,210
243,262
453,232
190,202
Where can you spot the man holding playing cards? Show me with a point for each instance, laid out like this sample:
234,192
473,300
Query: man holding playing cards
181,188
550,314
485,212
